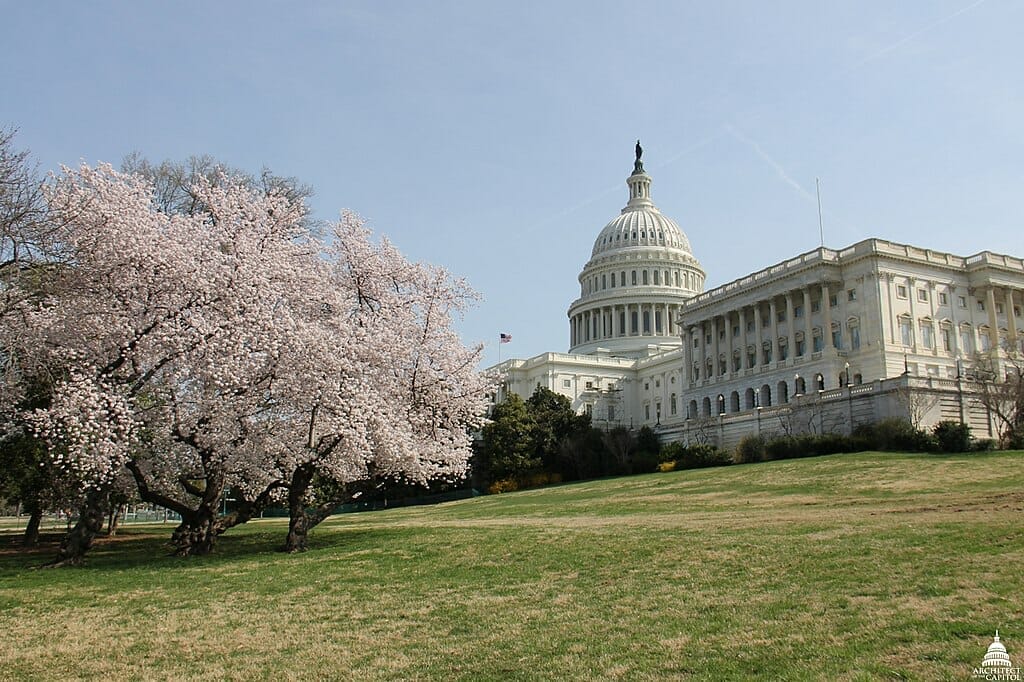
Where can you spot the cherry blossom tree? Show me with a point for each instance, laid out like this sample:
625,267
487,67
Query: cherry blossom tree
181,320
226,348
387,390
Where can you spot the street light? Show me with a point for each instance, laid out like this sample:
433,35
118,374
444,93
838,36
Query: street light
796,386
847,368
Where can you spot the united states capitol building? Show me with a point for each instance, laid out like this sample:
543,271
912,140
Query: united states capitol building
817,343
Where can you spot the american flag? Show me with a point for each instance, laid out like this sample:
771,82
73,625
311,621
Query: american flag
505,338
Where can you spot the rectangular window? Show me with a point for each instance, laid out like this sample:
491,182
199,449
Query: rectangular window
783,351
1016,311
721,333
854,338
590,385
901,291
647,413
999,308
750,325
613,280
851,294
905,332
965,341
801,347
833,300
751,360
781,316
926,335
837,339
611,413
736,330
922,295
943,299
604,281
815,306
798,311
981,306
766,321
633,273
962,301
566,383
947,339
817,343
672,404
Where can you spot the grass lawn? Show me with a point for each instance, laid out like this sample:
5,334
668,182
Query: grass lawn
849,567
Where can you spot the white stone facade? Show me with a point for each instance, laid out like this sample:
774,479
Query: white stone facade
839,331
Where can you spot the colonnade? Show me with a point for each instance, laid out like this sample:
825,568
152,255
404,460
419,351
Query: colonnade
622,320
769,331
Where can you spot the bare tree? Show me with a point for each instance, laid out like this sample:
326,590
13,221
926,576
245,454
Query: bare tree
917,402
1001,391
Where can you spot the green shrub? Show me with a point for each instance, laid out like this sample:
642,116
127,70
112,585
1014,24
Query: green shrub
983,445
952,436
895,433
751,449
699,456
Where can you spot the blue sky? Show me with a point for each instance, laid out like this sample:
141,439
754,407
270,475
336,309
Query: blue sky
495,138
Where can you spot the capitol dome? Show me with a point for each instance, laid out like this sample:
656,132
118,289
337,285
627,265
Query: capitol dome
640,271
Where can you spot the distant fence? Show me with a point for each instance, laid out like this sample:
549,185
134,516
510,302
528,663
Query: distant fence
387,503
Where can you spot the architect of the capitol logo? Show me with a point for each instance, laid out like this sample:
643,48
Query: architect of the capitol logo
996,665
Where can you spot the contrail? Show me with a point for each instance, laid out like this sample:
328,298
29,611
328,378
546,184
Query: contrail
910,36
776,166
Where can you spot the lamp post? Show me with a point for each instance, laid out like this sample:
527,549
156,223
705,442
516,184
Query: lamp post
849,398
757,408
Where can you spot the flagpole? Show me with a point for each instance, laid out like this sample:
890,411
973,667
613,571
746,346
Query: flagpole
499,349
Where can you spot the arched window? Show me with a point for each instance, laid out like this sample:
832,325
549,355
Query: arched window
691,410
734,401
672,404
645,277
749,401
782,391
766,396
657,277
721,404
634,277
707,406
799,386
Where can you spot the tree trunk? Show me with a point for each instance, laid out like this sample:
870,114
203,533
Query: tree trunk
197,533
35,518
298,519
116,512
80,538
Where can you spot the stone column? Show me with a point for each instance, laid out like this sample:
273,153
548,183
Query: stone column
993,321
826,318
729,343
1011,322
808,324
743,335
790,324
773,311
912,294
757,335
717,349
